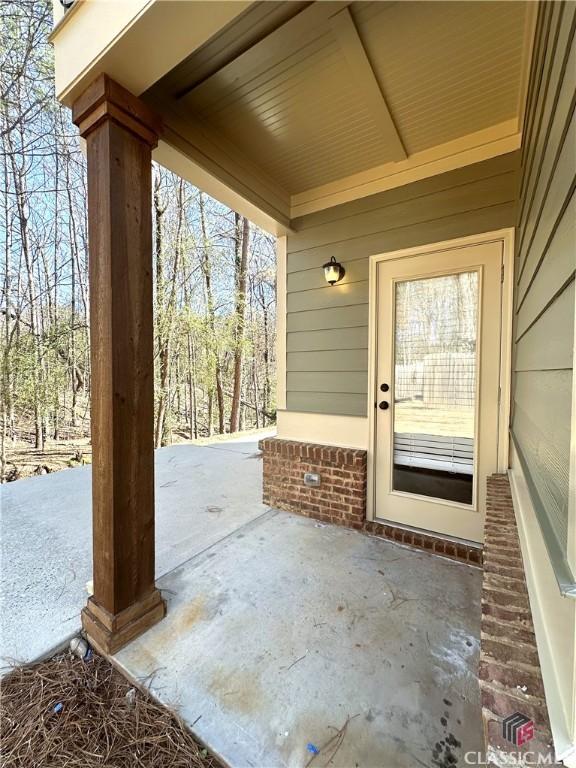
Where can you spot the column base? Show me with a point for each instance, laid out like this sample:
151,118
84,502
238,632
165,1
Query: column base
109,633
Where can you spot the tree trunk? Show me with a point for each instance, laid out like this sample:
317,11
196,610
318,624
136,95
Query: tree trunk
255,387
266,354
166,308
22,208
241,253
213,342
159,211
192,388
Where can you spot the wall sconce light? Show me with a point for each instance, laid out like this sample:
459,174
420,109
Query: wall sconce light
333,271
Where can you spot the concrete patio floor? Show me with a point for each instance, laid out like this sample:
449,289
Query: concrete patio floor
203,493
280,633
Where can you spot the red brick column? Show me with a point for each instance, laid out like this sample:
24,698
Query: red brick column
341,496
510,677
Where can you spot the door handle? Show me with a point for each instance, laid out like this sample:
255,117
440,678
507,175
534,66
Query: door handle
384,387
384,405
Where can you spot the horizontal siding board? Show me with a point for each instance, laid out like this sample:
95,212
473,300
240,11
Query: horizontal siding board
551,196
540,116
312,278
328,296
547,397
337,360
322,402
351,382
536,70
549,138
332,318
327,340
542,347
448,202
556,107
541,426
548,464
545,267
556,270
450,226
495,166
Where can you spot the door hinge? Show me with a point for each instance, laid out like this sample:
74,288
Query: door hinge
502,273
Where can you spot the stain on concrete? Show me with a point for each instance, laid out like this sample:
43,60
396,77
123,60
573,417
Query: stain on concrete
181,621
237,690
190,614
446,751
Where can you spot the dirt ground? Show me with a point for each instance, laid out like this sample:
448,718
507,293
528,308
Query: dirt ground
84,714
23,460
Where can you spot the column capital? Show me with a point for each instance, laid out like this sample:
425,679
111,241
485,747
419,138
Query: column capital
105,99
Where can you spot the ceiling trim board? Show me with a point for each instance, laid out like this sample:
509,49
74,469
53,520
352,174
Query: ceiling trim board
178,160
473,148
365,80
226,164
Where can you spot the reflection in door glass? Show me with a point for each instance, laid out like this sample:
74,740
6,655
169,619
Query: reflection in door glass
436,328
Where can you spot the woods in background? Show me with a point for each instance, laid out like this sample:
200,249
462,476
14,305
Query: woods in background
214,277
215,315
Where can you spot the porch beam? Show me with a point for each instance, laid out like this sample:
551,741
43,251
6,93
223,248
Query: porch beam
120,133
365,80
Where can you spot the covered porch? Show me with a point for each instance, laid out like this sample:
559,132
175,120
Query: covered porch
295,114
391,139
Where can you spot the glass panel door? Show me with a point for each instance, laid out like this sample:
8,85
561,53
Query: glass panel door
435,386
437,376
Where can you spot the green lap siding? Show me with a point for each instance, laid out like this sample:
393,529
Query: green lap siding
327,327
545,268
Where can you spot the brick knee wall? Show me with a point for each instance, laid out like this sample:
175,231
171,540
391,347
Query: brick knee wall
341,496
510,677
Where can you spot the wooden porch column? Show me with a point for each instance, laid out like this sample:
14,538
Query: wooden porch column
120,133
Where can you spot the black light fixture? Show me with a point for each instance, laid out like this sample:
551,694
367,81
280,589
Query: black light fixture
333,271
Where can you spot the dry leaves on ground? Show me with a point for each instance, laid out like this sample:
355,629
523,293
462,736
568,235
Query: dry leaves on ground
84,714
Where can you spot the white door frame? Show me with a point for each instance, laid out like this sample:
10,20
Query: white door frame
506,237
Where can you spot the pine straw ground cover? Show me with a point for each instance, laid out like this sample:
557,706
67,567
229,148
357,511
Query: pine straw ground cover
103,720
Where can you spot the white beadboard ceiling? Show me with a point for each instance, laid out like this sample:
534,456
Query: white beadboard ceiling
290,104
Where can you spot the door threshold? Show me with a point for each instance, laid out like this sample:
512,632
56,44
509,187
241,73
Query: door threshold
426,532
461,550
